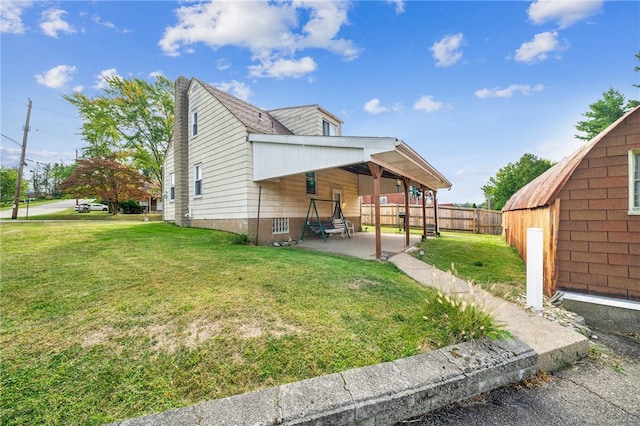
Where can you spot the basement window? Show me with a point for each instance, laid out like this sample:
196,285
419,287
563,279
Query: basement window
280,225
634,182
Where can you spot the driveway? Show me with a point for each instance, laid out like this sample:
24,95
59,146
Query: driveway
47,208
601,390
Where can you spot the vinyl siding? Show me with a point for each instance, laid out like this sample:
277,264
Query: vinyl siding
220,148
305,120
287,197
168,206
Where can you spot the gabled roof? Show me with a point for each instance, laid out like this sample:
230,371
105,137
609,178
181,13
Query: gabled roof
255,119
543,190
316,106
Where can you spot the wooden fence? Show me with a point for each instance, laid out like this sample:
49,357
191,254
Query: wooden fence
479,221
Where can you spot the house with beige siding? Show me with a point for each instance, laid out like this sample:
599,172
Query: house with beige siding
588,206
236,167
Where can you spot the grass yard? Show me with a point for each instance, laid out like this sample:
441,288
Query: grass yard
103,321
487,260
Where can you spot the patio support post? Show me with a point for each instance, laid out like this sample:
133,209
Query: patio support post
423,190
407,228
435,212
376,172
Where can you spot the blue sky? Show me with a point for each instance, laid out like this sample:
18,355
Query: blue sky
471,86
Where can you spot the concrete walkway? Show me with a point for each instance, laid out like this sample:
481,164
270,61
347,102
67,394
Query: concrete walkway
387,393
555,345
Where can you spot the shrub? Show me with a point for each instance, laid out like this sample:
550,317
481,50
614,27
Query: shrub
456,320
242,239
131,207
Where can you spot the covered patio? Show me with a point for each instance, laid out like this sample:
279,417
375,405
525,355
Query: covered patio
362,245
382,165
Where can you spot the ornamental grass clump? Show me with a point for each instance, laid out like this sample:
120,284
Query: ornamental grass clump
452,319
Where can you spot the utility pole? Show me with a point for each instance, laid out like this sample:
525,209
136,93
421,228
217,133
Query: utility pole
16,199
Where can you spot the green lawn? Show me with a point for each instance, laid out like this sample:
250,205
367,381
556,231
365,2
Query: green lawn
103,321
486,260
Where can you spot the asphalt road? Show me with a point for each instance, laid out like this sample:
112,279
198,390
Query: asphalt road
40,209
603,389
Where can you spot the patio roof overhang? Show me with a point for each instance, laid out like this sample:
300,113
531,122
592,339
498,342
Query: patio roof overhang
276,156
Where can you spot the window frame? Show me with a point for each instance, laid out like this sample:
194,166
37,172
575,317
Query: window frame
194,124
197,183
280,225
314,179
172,187
327,128
634,182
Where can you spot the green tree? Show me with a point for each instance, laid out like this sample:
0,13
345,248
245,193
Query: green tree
133,117
107,179
512,177
59,172
602,113
8,181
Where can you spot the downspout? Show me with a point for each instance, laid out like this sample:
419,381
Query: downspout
258,220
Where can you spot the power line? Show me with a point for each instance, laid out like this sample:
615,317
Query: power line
12,140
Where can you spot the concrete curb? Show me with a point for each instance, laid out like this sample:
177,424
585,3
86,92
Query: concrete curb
375,395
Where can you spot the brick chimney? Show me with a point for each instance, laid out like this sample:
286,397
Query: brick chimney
181,151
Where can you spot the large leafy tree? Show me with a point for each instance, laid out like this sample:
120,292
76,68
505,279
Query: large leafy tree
108,179
605,111
512,177
602,113
133,117
8,182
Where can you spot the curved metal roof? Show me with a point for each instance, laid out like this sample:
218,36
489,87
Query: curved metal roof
543,190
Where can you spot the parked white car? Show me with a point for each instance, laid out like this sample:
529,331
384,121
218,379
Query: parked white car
91,207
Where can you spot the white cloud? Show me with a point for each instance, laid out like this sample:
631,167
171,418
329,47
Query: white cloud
508,92
52,23
56,77
108,24
271,31
236,88
566,13
447,52
281,68
374,107
157,73
426,103
399,5
222,64
101,82
539,48
11,16
78,88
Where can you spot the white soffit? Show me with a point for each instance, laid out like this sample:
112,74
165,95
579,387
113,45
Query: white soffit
276,156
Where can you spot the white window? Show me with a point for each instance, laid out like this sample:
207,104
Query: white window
172,187
194,124
383,200
197,180
329,129
634,182
280,225
311,183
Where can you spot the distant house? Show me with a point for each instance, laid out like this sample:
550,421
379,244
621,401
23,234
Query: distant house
236,167
588,206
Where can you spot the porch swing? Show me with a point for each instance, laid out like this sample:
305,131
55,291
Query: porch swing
337,225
